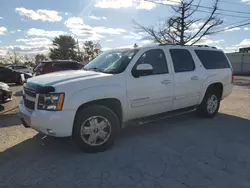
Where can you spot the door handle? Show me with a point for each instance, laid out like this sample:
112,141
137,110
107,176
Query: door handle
166,82
194,78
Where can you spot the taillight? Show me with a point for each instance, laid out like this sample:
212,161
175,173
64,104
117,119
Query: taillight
232,76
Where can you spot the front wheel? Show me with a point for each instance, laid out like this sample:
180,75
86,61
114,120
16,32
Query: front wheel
95,129
210,105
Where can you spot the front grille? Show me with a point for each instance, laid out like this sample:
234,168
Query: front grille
29,104
29,92
29,98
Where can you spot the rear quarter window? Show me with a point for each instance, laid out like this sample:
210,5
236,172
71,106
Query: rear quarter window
212,59
66,65
41,65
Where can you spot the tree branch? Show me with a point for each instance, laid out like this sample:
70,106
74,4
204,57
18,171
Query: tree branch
206,22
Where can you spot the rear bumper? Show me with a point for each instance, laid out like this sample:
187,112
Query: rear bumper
58,124
227,90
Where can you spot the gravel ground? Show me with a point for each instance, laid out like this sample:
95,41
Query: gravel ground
180,152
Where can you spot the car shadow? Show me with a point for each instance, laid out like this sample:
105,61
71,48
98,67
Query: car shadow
242,81
7,120
58,158
18,93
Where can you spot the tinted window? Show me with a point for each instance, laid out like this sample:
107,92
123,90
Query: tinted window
20,67
212,59
182,60
156,58
41,65
23,67
66,65
2,69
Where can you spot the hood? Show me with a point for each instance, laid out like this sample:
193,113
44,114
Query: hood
64,76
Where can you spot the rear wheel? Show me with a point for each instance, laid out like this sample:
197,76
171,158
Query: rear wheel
95,129
210,104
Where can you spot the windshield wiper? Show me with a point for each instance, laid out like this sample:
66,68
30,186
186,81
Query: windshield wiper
94,69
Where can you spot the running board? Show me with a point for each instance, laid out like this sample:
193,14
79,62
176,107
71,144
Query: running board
162,116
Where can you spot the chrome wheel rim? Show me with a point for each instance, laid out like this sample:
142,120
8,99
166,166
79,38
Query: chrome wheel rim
95,131
212,104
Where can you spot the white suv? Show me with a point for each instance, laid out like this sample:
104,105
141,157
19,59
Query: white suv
92,105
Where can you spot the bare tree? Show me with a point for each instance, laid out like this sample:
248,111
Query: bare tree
179,29
91,50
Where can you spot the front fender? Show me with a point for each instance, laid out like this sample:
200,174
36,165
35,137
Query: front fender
95,93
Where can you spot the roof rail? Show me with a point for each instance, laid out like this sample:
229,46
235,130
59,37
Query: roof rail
188,45
170,45
206,46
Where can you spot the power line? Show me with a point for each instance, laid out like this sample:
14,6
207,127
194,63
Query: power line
216,13
229,2
231,24
211,8
229,28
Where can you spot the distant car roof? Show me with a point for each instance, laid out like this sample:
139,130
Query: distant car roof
59,61
16,65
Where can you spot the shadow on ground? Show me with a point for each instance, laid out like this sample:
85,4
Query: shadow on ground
242,81
18,93
7,120
183,151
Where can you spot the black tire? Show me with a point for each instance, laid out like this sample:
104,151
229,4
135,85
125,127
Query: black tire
202,109
2,97
86,113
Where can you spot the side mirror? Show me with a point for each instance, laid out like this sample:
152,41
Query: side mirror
143,70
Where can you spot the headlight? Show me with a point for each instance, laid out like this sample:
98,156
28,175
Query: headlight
51,101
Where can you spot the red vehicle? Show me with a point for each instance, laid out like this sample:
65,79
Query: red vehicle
55,66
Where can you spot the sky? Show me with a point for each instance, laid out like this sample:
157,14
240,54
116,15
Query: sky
29,26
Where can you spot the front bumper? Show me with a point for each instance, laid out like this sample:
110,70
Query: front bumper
58,124
4,95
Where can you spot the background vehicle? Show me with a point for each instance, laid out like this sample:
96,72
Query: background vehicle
55,66
5,92
21,68
124,85
11,76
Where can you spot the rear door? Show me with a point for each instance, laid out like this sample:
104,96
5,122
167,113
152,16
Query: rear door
187,79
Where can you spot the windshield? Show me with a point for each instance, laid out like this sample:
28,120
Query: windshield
113,62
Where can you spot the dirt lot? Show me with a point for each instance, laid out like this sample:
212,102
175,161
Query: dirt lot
181,152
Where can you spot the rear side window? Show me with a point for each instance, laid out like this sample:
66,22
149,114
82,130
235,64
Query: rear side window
212,59
20,67
66,65
41,65
182,60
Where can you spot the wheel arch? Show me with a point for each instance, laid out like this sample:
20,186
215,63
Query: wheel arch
113,104
213,86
